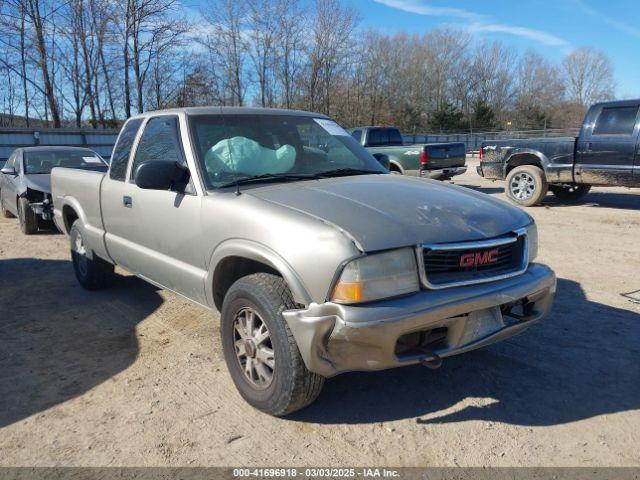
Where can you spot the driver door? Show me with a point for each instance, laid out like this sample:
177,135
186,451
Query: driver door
166,230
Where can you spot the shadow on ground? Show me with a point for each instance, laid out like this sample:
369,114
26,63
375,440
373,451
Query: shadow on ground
580,362
58,340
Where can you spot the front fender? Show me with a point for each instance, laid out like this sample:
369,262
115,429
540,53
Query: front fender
239,247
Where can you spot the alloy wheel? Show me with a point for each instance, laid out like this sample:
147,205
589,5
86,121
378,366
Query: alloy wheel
254,351
522,186
82,261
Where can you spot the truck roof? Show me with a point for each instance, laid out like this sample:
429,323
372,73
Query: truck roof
231,111
40,148
373,126
618,103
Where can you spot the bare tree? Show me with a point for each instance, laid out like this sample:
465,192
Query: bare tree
539,90
227,46
262,32
332,28
289,47
588,76
37,17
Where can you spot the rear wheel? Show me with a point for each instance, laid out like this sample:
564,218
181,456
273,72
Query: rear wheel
569,192
261,354
28,218
92,272
526,185
5,213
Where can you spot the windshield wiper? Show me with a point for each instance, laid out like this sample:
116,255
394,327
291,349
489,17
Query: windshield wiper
338,172
268,177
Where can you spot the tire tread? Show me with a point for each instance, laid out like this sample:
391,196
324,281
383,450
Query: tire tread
306,385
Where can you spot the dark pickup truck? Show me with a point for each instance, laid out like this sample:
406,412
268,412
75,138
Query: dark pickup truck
606,153
432,160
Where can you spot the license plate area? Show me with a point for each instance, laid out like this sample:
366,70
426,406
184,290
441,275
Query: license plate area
481,324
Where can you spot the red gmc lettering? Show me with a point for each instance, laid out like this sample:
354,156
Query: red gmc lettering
480,258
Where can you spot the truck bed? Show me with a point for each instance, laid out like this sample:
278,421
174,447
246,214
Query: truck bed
559,150
81,188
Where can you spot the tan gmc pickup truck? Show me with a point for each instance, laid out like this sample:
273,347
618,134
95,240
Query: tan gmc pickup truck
319,260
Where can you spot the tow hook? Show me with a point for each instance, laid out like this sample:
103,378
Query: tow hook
431,360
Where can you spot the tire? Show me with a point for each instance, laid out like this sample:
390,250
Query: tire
5,213
290,386
569,193
28,218
526,185
92,272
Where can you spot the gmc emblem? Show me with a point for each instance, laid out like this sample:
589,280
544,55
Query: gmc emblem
469,260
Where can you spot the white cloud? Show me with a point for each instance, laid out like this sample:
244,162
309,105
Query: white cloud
479,23
416,6
617,24
536,35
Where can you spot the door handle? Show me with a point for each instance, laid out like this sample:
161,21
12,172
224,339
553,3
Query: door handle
127,201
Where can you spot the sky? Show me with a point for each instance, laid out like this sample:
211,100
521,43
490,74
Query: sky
552,28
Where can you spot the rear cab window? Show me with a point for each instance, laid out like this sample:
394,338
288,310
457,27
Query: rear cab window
616,121
122,150
384,136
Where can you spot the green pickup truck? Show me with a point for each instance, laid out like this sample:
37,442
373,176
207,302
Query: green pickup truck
432,160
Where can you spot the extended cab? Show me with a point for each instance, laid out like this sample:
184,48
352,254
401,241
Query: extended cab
433,160
319,260
606,153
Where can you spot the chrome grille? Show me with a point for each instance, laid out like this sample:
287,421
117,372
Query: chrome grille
446,265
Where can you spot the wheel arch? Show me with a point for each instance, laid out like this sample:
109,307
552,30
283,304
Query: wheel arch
394,165
235,259
69,213
525,157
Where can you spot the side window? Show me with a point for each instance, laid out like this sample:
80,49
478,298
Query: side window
357,134
120,155
394,137
616,121
160,141
377,137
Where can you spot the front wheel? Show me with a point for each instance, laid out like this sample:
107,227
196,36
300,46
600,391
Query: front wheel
526,185
28,218
569,192
92,272
261,354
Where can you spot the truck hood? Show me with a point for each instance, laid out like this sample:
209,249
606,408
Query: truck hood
387,211
38,181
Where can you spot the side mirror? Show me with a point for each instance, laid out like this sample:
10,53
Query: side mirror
383,159
9,171
160,175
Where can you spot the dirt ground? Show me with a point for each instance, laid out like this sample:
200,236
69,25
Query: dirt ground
133,376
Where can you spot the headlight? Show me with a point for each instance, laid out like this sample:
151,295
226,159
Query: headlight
381,275
532,237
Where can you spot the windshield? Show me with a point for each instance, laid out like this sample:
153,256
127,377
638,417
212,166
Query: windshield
284,147
44,160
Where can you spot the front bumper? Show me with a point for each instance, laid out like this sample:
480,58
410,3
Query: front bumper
335,338
443,172
44,210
